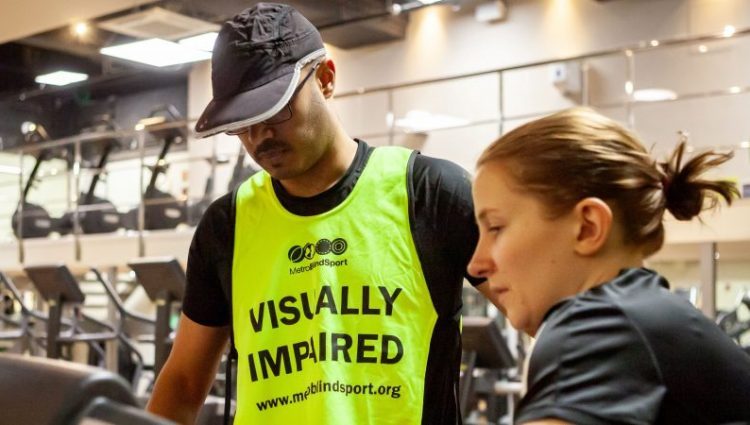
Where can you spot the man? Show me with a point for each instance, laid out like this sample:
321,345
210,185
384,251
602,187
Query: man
339,267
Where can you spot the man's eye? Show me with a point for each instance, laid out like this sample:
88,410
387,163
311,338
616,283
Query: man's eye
494,229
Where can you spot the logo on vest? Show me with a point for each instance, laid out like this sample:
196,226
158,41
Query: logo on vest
323,247
297,253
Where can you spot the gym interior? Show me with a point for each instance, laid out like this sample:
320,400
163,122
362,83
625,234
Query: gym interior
103,180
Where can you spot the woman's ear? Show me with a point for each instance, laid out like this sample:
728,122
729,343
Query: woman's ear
326,76
594,226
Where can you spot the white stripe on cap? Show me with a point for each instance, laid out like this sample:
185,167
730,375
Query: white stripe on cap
276,108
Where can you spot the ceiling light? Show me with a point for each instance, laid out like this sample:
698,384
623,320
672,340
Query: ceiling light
735,89
729,31
654,43
204,42
428,1
745,144
629,87
653,95
702,48
81,28
156,52
61,78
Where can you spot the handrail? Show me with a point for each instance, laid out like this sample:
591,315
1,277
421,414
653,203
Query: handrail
635,48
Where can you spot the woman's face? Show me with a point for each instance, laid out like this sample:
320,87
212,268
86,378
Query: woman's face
527,257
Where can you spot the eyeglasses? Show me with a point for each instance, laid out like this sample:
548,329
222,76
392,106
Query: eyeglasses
285,114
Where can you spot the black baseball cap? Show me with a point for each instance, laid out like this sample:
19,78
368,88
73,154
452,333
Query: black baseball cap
256,66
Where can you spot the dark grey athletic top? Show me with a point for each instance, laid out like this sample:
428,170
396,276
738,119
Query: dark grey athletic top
631,352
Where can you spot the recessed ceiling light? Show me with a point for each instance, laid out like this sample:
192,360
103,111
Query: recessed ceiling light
81,28
204,42
61,78
729,31
156,52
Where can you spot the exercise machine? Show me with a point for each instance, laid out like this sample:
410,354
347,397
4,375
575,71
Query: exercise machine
32,220
60,290
161,209
735,326
96,214
485,348
56,284
29,338
54,392
164,282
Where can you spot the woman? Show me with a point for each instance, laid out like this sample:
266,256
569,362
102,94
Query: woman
568,207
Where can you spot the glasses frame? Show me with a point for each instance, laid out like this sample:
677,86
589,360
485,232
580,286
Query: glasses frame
288,107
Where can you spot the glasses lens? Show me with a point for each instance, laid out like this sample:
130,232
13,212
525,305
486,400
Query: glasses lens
283,115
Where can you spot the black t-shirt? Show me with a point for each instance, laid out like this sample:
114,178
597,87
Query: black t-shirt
631,352
441,215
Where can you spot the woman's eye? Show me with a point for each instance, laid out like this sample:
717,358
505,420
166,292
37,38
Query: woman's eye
494,229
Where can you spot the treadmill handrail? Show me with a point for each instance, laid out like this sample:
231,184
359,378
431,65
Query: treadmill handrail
17,296
117,301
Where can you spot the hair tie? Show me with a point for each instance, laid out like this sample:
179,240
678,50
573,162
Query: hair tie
665,183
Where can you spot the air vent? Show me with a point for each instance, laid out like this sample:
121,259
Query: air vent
158,23
349,35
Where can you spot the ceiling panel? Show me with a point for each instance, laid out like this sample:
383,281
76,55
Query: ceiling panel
24,18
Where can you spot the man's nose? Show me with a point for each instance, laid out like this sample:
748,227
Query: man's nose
259,132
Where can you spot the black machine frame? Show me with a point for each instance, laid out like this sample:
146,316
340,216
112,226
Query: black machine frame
163,279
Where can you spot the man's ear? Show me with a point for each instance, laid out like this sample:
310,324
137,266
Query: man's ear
326,76
594,225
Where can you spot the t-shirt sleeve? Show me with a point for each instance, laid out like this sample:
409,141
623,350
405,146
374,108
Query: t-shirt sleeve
209,265
443,192
591,366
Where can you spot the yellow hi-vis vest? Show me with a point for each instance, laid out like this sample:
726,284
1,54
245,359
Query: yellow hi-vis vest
332,315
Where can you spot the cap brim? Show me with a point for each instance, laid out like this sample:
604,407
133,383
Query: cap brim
247,108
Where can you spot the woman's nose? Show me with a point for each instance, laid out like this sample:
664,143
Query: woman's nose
481,264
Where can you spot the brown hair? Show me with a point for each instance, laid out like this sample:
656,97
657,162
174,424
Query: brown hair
578,153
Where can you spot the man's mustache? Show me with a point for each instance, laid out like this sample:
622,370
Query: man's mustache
270,145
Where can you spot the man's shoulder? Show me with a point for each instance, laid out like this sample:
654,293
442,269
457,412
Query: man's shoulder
216,220
434,168
220,207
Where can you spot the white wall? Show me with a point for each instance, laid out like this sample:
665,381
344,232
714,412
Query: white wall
442,43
